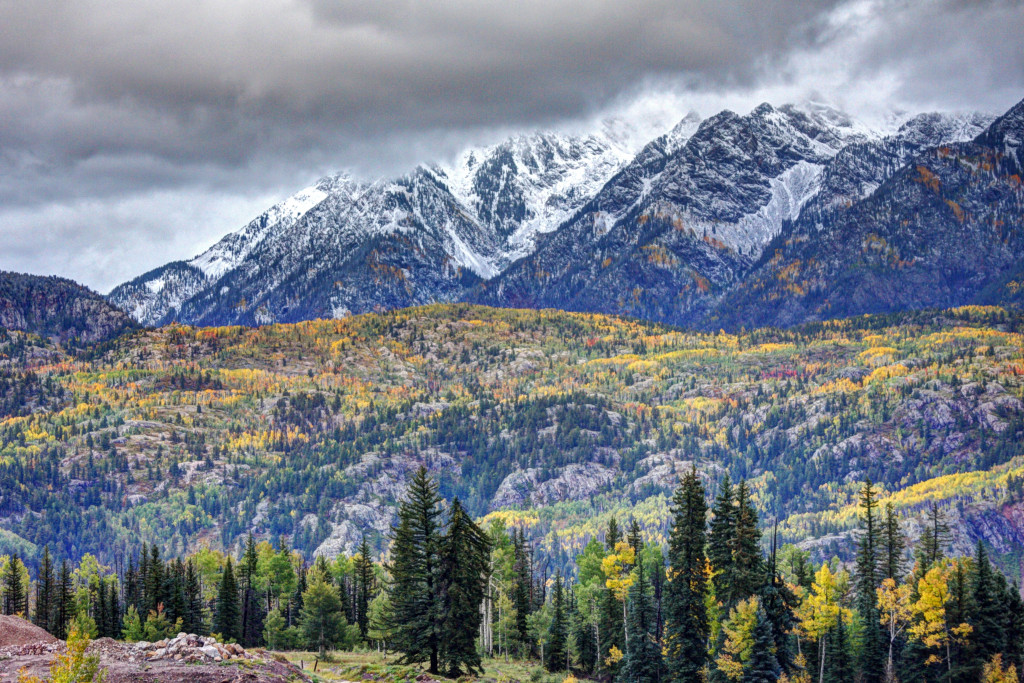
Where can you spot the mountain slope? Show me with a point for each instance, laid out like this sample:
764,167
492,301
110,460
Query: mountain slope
678,225
59,309
342,246
676,232
550,421
939,232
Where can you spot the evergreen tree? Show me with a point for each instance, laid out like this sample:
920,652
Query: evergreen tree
778,602
464,558
174,590
641,661
154,580
321,618
46,593
15,600
611,626
838,665
634,537
364,587
894,545
132,591
523,572
763,665
747,571
227,620
251,605
987,618
556,654
871,657
720,536
686,619
194,620
613,536
583,635
65,606
132,631
415,575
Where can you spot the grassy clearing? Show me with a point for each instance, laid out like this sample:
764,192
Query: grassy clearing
372,666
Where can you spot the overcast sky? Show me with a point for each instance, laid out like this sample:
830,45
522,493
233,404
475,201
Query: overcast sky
134,132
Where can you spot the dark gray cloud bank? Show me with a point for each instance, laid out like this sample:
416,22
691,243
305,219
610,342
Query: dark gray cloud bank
132,133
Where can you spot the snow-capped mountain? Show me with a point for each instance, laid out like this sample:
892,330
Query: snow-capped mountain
679,223
944,228
668,230
342,246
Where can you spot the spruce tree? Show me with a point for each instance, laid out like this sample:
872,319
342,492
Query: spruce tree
871,656
65,606
194,620
556,652
583,635
686,619
523,572
14,590
763,665
46,592
227,620
634,537
174,590
720,536
838,665
364,587
778,602
613,536
641,661
154,580
611,626
251,605
415,575
934,539
987,618
464,559
894,545
747,564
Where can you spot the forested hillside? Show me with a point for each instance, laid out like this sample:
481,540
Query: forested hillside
58,309
455,599
554,422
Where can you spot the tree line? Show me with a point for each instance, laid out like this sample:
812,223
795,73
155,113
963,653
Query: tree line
718,602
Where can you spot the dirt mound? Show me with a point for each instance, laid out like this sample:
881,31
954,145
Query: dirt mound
16,631
187,657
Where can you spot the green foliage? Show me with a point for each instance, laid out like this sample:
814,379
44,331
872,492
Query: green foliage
686,620
322,620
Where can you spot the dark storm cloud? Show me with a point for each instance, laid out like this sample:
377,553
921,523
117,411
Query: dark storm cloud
132,132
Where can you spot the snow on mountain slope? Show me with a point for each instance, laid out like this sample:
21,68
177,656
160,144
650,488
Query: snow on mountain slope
615,220
476,215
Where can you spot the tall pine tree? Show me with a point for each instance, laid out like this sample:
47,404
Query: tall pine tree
685,610
557,652
723,523
464,559
871,657
364,587
15,599
46,593
227,620
415,575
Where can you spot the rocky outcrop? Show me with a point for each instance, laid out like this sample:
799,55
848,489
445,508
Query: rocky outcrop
531,487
